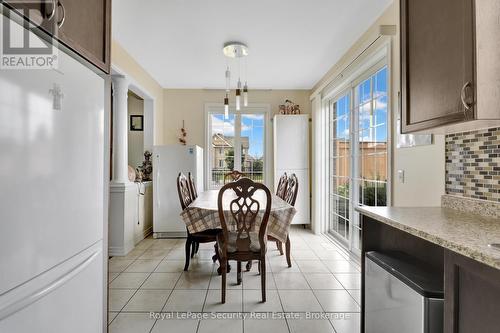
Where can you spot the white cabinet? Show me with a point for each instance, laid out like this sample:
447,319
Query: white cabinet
144,224
291,155
131,216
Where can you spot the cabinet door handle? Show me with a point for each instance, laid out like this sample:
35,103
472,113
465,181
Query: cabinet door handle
61,22
53,13
466,105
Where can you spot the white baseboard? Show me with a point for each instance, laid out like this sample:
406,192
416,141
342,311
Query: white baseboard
119,251
173,234
116,251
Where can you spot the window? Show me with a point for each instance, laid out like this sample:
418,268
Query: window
358,153
237,142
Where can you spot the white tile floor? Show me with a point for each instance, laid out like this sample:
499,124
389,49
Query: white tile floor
322,281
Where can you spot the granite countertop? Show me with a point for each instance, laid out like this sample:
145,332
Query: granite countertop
465,233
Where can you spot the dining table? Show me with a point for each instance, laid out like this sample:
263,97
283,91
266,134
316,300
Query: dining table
202,214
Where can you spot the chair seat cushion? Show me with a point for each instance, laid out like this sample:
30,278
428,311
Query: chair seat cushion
243,244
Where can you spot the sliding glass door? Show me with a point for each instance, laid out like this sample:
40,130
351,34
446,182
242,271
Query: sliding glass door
237,142
340,160
358,154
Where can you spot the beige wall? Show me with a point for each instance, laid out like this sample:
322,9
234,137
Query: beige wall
125,64
189,105
423,166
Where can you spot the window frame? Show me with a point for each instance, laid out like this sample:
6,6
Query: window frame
252,108
355,73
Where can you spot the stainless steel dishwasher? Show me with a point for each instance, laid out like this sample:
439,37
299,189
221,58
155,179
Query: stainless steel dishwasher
402,295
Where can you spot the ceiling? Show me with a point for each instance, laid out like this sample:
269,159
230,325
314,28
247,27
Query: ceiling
292,43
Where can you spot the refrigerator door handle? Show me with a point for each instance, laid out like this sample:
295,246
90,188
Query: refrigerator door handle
31,291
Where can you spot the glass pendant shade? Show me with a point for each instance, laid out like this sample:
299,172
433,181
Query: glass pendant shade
226,107
238,100
245,95
238,96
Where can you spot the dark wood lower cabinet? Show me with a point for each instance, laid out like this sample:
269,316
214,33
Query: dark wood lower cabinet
471,289
472,296
380,237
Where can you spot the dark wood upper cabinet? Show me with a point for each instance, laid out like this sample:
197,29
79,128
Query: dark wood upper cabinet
85,27
446,59
40,12
82,25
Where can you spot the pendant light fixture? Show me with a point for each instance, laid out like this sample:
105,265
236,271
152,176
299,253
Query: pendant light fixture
233,50
226,98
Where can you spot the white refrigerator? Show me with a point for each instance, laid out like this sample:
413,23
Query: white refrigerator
52,218
291,155
168,161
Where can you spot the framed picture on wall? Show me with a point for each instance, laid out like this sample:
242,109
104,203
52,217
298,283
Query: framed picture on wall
136,123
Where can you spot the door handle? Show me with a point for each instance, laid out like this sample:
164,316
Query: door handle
61,22
463,96
53,13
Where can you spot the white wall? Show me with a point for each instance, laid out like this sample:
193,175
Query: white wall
424,165
135,138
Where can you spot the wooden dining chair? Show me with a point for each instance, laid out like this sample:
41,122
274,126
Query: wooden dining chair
193,240
290,197
233,176
282,185
192,187
280,192
244,229
194,194
291,190
289,194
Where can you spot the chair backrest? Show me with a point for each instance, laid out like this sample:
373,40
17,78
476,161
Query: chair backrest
183,191
292,189
282,184
245,213
192,187
233,176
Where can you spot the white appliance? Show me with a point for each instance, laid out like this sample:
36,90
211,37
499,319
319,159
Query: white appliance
291,155
52,219
168,161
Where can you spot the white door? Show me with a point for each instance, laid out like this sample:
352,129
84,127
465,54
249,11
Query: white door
358,153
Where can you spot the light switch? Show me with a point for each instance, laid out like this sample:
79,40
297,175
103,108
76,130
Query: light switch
401,176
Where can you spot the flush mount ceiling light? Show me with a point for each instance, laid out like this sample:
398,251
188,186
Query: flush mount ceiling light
235,50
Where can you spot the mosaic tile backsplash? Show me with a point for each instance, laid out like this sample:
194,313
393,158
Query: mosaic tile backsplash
473,164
